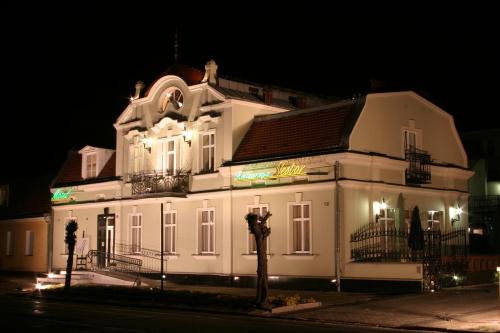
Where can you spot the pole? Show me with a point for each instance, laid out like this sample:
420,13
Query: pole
337,225
161,249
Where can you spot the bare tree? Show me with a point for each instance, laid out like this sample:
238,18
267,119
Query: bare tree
70,239
257,226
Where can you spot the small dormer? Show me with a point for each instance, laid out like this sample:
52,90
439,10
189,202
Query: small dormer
93,160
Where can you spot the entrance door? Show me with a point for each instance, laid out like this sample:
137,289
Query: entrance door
105,239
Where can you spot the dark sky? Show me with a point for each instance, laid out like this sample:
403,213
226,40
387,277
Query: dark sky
67,73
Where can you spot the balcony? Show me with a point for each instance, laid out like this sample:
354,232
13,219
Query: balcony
419,170
159,181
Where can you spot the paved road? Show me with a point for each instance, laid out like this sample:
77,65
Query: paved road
29,315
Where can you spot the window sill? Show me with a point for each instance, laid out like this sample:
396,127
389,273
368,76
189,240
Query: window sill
253,256
300,256
205,256
207,175
171,256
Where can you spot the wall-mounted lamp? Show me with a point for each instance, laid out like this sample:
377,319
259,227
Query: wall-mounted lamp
148,143
377,206
187,134
455,214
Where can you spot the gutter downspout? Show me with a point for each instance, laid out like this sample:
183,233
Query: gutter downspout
337,225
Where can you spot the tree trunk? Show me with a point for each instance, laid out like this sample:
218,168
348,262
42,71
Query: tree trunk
262,284
69,266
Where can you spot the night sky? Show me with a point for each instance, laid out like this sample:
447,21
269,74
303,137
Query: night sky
67,77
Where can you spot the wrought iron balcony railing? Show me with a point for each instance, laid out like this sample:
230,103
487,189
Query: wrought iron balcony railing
419,170
150,182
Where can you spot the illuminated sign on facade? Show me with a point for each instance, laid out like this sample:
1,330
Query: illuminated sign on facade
62,194
281,170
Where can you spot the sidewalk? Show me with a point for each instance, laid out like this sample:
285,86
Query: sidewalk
471,308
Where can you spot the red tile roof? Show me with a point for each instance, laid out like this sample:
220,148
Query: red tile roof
189,74
71,171
297,132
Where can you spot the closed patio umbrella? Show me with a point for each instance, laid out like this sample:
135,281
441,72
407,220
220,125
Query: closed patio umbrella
416,235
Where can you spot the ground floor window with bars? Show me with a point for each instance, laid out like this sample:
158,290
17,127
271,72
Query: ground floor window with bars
300,227
206,231
170,223
434,219
259,210
135,221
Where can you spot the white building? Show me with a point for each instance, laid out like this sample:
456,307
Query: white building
207,150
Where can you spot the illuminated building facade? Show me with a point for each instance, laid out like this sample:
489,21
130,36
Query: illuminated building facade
196,152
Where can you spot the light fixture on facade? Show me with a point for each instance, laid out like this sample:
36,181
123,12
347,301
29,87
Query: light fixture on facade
148,143
455,214
187,134
377,206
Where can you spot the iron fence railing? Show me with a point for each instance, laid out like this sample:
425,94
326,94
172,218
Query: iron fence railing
419,169
158,181
375,242
151,259
104,261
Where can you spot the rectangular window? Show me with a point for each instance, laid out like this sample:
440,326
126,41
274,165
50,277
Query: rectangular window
260,210
91,165
386,225
9,248
434,220
207,152
135,221
30,241
168,160
411,140
300,226
136,155
169,225
206,231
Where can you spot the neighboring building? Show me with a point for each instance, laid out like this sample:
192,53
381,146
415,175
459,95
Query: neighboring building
199,152
483,151
24,219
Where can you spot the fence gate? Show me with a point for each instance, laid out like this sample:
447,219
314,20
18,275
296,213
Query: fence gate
431,260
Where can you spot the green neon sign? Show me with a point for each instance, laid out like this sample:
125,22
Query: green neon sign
62,194
282,170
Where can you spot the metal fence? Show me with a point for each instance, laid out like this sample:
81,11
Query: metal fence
155,181
375,242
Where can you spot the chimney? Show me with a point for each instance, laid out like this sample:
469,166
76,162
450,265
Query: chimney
211,73
138,87
268,96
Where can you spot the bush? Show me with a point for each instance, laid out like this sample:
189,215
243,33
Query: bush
283,300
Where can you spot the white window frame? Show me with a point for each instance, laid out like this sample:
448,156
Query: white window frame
290,219
385,222
172,249
136,155
211,155
30,243
434,219
250,236
135,248
90,169
165,153
404,135
9,243
200,235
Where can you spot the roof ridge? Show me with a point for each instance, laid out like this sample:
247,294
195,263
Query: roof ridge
296,112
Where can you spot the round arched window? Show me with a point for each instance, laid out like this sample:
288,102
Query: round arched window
173,100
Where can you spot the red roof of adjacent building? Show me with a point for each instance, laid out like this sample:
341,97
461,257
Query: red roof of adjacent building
27,197
298,132
71,171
